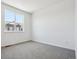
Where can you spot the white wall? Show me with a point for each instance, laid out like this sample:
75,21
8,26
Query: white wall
9,38
56,24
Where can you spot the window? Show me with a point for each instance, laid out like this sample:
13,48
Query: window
13,21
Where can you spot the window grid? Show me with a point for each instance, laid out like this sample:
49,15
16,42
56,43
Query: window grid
16,25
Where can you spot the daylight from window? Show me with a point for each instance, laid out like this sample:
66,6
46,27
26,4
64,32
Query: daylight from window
13,21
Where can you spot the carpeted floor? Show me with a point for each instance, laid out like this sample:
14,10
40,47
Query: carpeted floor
35,50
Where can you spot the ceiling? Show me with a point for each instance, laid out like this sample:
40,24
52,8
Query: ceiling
29,5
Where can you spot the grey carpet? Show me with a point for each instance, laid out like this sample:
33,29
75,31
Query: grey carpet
34,50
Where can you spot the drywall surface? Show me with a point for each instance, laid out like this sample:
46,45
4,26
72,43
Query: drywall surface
56,24
9,38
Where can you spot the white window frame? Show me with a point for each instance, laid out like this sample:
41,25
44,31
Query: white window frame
15,20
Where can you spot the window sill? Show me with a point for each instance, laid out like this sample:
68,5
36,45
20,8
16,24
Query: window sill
13,31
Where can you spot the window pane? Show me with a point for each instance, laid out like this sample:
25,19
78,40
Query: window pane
19,18
19,22
9,16
9,20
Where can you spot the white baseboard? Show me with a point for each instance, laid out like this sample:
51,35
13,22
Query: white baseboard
15,43
52,44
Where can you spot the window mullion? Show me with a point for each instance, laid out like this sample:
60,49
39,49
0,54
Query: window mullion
15,22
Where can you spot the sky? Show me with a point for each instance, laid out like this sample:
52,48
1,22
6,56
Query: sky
11,16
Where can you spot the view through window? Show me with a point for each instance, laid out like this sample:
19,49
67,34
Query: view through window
13,21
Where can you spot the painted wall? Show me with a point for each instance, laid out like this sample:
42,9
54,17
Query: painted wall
9,38
56,24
